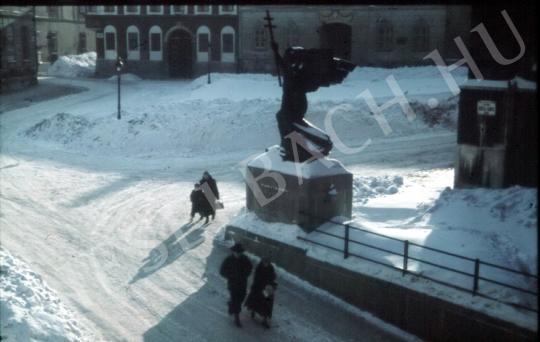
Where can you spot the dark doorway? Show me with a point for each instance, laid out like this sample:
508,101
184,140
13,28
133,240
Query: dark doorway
180,54
338,38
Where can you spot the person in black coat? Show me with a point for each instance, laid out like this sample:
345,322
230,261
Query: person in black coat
261,296
236,268
207,182
200,203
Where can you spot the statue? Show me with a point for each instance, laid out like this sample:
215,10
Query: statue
304,70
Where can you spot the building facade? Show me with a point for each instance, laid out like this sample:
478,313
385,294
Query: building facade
61,30
366,35
18,62
165,41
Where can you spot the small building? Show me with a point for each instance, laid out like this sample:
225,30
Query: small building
165,41
18,68
383,35
61,30
497,134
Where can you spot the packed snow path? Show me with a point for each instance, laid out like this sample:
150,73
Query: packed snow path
109,234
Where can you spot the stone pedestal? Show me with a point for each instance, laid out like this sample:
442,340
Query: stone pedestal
306,194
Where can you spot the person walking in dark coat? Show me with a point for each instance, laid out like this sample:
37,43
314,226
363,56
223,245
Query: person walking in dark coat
208,184
236,268
199,203
261,296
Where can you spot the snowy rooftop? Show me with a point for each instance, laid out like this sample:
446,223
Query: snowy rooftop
499,85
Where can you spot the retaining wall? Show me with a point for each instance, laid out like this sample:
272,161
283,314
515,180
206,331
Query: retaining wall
427,317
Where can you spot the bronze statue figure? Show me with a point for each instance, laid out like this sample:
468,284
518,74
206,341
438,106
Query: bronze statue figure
304,70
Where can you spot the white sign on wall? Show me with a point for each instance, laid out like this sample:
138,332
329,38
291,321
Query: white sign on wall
486,107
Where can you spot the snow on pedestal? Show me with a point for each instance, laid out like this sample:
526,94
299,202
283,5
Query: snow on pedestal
307,194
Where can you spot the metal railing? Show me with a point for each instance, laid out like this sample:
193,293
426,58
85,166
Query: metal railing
475,275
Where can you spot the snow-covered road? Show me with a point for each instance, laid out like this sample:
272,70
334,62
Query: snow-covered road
99,207
109,234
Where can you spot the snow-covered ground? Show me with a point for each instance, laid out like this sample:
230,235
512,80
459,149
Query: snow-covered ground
30,310
98,206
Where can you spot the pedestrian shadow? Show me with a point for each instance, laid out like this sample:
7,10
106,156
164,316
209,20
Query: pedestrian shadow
170,249
113,187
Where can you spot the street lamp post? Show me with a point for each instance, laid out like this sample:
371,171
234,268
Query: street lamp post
119,66
209,58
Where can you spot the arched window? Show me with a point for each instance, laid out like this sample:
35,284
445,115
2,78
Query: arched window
133,43
227,44
203,44
385,35
156,46
420,35
260,36
110,42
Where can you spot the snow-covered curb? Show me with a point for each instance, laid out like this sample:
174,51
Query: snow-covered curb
30,310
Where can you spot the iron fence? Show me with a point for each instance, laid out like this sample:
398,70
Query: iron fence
475,275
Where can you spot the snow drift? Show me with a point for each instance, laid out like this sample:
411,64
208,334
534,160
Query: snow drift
83,65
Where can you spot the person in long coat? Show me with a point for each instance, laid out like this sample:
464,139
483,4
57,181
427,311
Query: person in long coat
261,296
211,183
200,203
236,268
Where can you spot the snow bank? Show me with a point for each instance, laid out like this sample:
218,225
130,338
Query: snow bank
30,310
421,80
210,127
365,188
82,65
506,218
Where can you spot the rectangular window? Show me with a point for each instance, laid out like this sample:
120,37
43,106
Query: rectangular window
10,46
53,12
260,38
155,42
133,41
110,41
203,42
82,42
228,42
109,9
179,9
202,9
227,9
52,42
131,9
155,9
91,9
25,37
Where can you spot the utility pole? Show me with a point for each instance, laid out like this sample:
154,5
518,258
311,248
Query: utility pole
271,27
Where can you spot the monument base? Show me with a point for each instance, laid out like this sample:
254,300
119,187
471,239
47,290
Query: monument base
306,194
